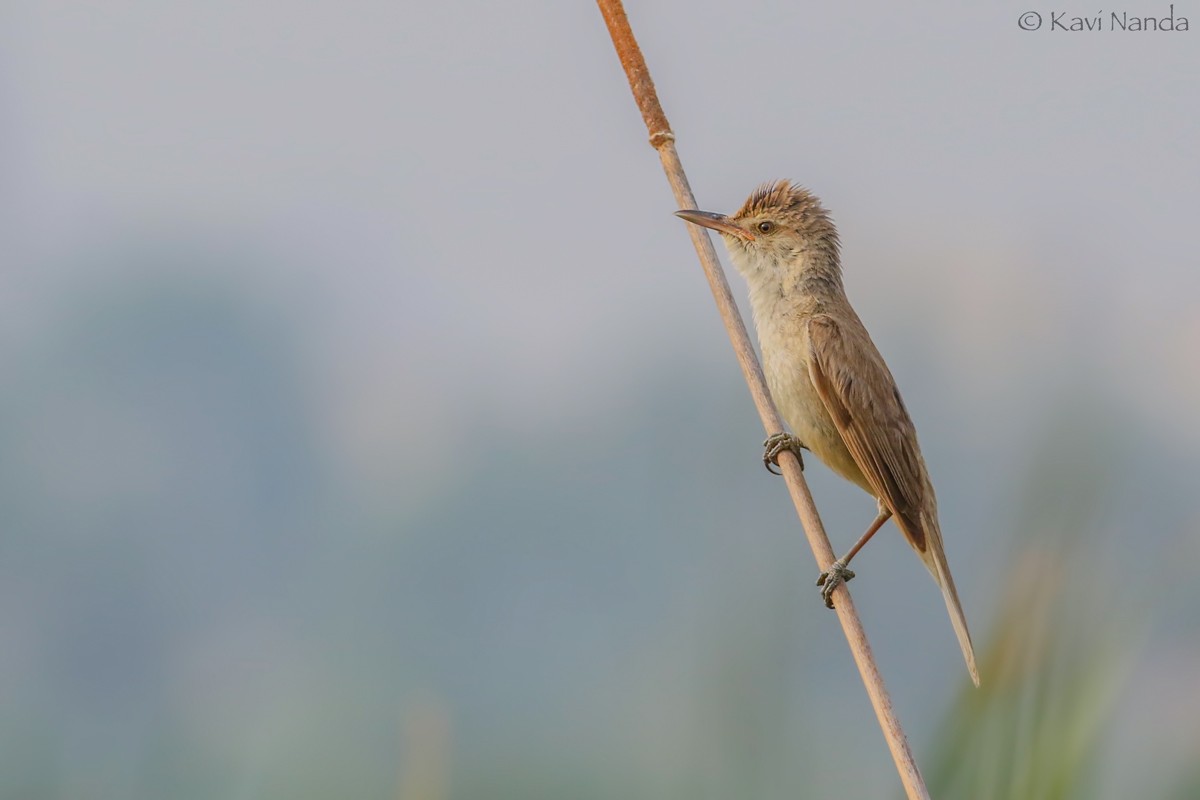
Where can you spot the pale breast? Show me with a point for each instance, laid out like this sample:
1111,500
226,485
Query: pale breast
799,404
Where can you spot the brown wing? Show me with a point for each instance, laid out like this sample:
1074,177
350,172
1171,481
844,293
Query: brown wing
861,395
858,390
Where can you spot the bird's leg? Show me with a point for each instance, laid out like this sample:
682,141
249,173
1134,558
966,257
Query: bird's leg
838,571
775,444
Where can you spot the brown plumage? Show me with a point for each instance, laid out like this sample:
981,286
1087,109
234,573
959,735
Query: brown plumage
827,378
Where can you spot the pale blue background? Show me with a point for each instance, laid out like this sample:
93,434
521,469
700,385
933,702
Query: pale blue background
355,379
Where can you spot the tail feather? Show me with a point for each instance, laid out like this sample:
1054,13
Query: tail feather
957,618
934,557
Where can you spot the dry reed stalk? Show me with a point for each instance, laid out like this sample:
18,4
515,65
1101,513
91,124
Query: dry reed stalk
663,140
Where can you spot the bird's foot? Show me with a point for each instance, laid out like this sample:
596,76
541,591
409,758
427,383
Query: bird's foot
775,444
829,580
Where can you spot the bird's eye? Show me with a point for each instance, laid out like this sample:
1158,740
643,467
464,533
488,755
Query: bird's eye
765,227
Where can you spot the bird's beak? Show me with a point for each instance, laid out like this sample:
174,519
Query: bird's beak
718,222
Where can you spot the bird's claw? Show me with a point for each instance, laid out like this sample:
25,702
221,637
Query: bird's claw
775,444
838,573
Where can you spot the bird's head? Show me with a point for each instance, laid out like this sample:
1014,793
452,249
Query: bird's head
781,227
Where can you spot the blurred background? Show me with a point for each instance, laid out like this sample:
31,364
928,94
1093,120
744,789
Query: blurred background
367,428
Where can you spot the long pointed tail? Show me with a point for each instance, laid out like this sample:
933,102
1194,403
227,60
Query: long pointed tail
935,559
957,618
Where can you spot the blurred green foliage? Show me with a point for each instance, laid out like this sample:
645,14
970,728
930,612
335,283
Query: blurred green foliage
1060,647
199,603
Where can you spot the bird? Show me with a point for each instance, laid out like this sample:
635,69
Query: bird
828,379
